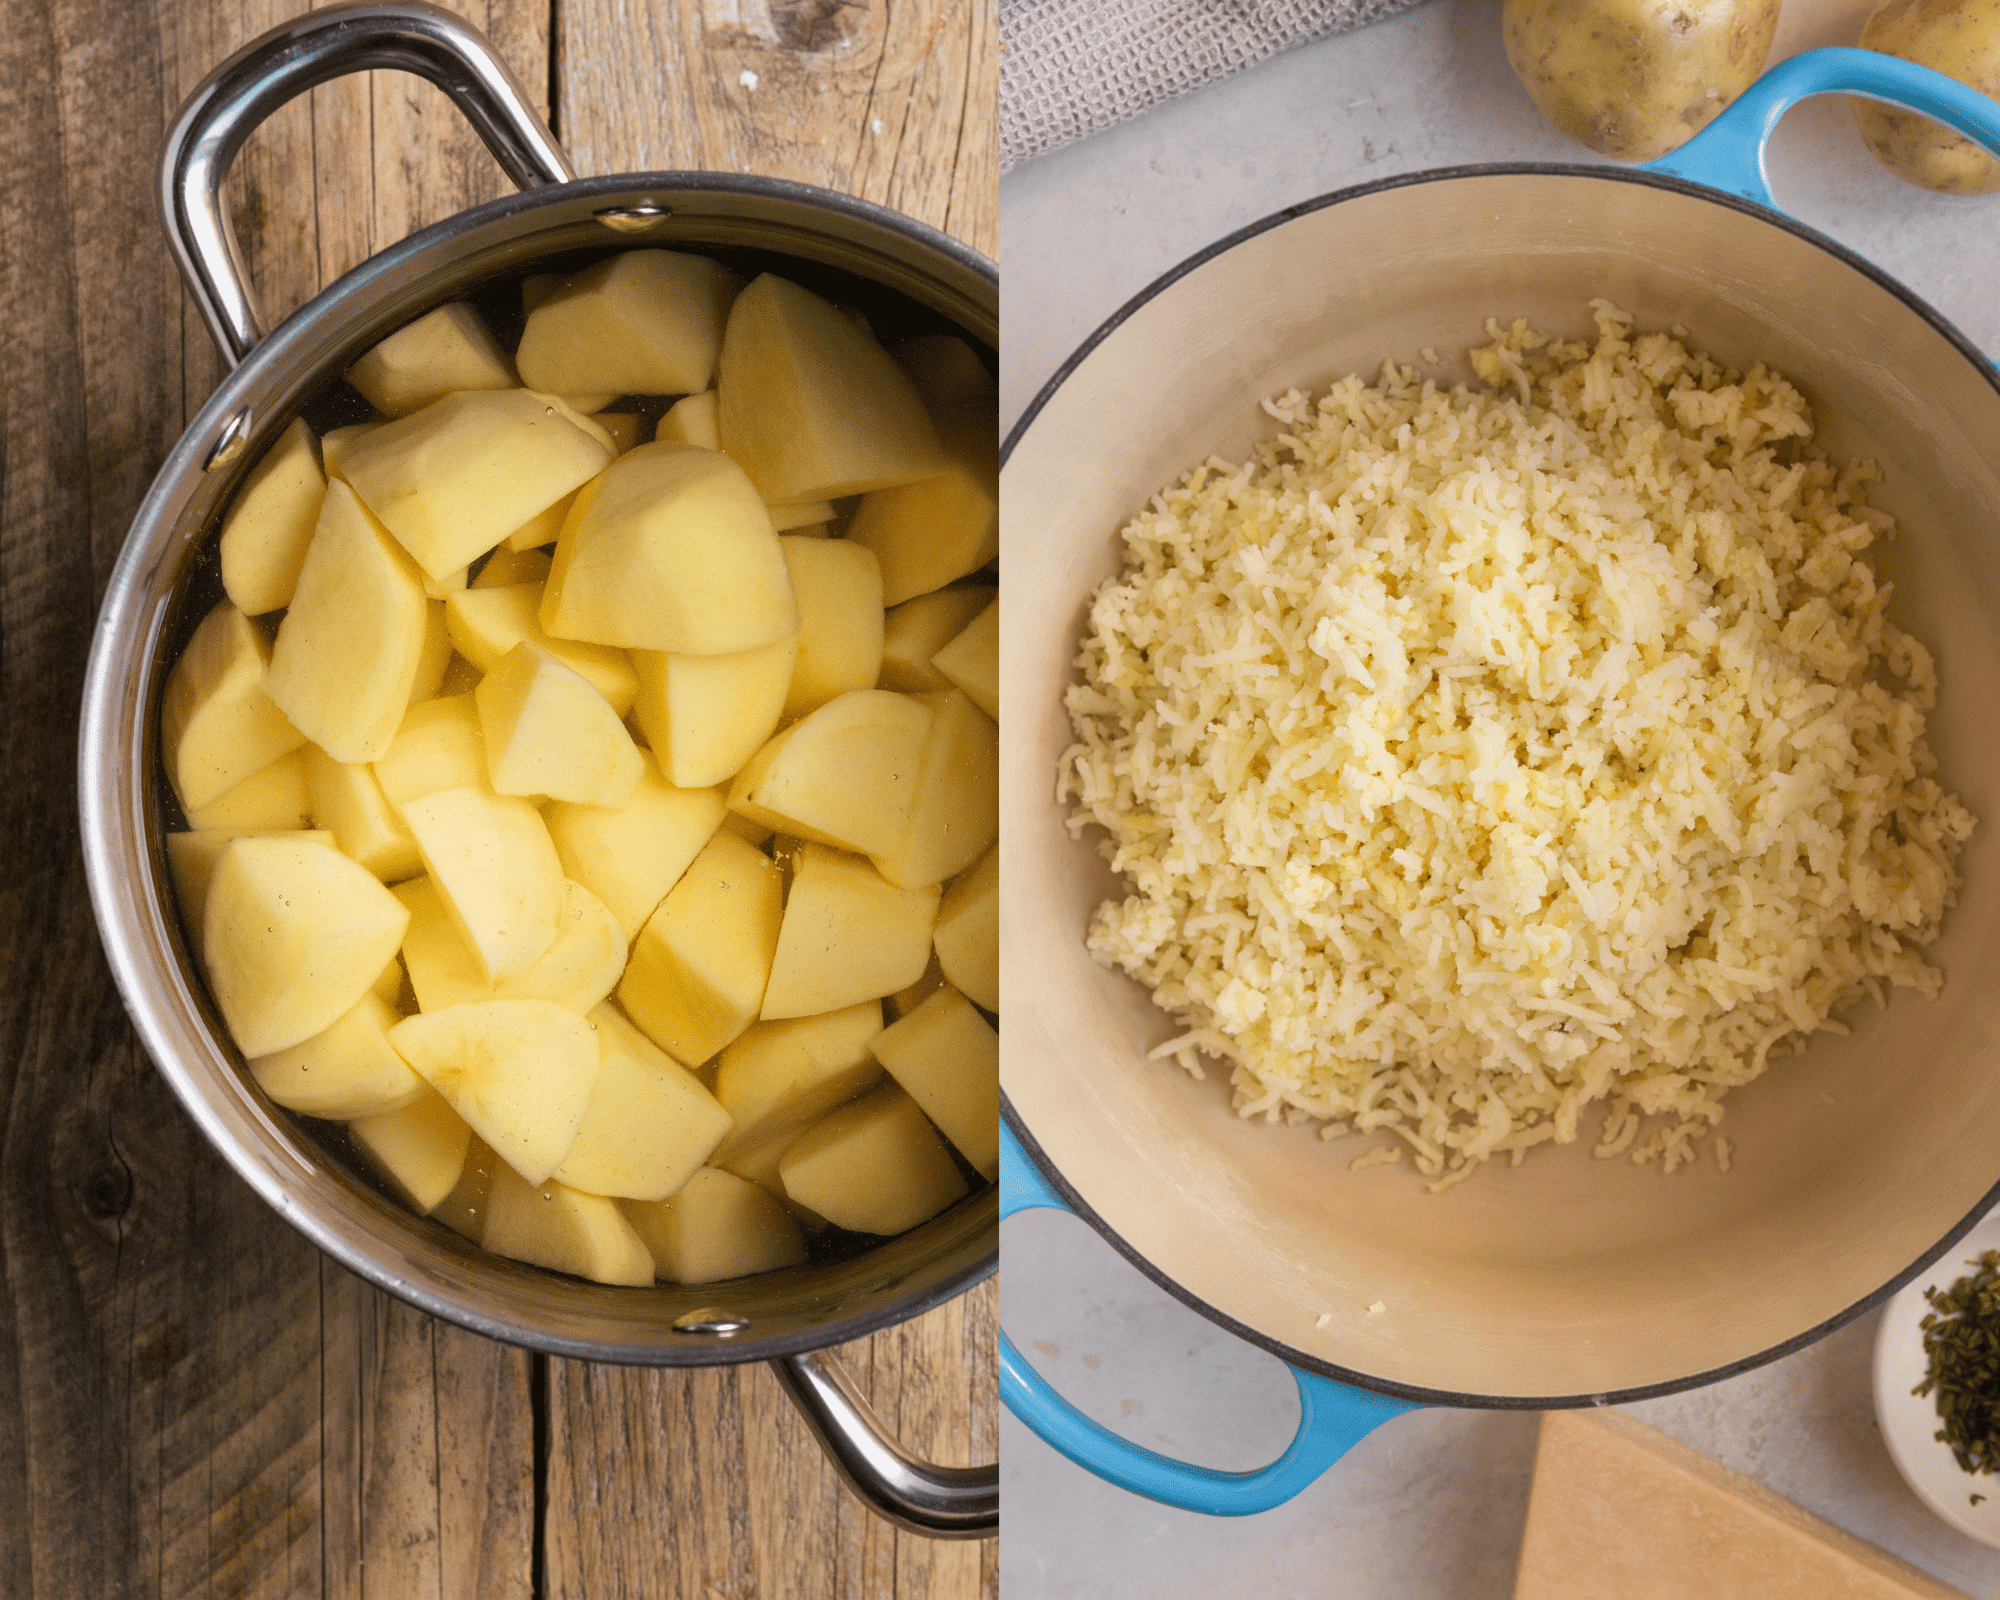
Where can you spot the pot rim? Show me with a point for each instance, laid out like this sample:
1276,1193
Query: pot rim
1417,1393
114,801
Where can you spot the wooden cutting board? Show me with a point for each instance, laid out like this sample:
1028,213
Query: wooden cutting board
1620,1511
192,1400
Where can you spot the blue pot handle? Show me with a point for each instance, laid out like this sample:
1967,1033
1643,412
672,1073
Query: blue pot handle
1333,1417
1729,153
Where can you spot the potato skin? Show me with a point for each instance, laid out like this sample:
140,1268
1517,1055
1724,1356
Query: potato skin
1960,38
1633,79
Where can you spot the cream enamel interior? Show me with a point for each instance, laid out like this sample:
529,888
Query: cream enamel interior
1568,1276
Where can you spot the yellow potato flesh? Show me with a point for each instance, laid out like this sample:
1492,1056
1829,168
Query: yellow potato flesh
972,660
217,725
436,654
577,971
927,533
642,322
630,856
917,629
955,806
486,623
348,1070
347,653
438,746
350,801
492,861
650,1125
674,552
706,716
692,420
947,1058
270,523
875,1166
419,1148
967,935
839,589
779,1076
842,776
191,859
444,350
716,1226
848,935
564,1230
548,731
273,798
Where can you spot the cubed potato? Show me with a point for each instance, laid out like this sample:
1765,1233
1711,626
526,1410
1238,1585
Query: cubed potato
560,1228
419,1148
947,1058
641,322
519,1071
505,568
692,419
346,657
630,856
454,479
348,1070
191,859
967,935
334,446
744,828
873,1166
848,935
444,969
706,716
904,1001
270,522
450,583
486,623
839,589
842,775
542,528
811,514
491,859
548,731
464,1209
577,971
269,800
955,806
650,1125
810,404
716,1226
939,528
780,1076
294,934
350,801
442,351
698,970
674,551
217,725
436,654
917,629
972,660
438,746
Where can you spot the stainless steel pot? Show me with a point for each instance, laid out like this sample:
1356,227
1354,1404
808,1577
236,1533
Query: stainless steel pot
782,1317
1568,1281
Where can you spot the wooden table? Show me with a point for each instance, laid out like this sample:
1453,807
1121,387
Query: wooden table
192,1399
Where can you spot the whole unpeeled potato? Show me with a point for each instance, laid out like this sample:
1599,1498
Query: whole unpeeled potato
1633,79
1960,38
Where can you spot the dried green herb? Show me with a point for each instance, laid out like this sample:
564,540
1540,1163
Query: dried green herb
1962,1349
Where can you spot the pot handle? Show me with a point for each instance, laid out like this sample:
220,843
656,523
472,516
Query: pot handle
312,49
1729,153
938,1502
1333,1417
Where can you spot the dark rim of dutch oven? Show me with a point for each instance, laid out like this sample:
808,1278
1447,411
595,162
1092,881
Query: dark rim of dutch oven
1076,1202
268,362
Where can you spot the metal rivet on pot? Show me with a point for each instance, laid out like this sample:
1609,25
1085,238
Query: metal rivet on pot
633,219
234,441
709,1319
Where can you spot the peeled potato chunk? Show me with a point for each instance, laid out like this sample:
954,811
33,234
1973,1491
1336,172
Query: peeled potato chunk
442,351
486,623
347,652
972,660
420,1148
560,1228
917,629
779,1076
519,1071
706,716
848,935
349,1070
464,1209
967,935
843,775
578,970
217,725
438,746
642,322
191,859
273,798
350,801
874,1166
334,445
493,863
650,1125
548,731
294,934
811,405
630,856
698,970
806,514
955,807
539,530
270,522
436,653
716,1226
839,586
947,1058
454,479
692,419
674,551
940,528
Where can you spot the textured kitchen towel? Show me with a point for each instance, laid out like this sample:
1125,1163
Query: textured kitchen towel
1071,67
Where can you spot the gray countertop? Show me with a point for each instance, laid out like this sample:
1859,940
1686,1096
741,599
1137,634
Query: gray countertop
1431,1504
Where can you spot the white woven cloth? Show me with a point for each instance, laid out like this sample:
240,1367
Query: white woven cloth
1071,67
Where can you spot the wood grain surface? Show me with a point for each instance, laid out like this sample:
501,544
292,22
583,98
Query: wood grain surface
193,1400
